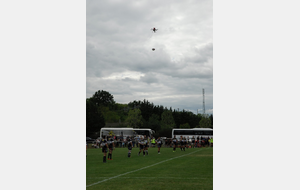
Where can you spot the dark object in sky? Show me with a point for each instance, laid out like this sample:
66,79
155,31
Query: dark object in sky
154,29
153,49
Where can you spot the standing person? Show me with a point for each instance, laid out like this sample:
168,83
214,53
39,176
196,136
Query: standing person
174,143
104,148
181,143
153,141
146,145
129,146
159,143
184,143
111,145
193,142
120,142
187,143
141,143
123,143
202,141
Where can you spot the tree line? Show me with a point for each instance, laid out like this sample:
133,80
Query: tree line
101,109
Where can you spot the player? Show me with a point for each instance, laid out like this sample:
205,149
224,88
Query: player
159,143
193,142
111,145
129,146
181,142
184,143
174,143
146,145
141,143
104,148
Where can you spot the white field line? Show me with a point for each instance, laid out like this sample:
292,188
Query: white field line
164,178
141,168
152,178
149,178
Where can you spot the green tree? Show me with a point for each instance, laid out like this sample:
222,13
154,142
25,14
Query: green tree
211,119
205,122
185,126
134,118
154,122
94,119
111,116
164,133
103,98
167,120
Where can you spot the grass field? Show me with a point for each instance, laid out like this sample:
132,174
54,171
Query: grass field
190,169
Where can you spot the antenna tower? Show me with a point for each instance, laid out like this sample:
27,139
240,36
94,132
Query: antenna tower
203,103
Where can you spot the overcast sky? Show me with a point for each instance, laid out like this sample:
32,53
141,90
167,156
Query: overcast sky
119,58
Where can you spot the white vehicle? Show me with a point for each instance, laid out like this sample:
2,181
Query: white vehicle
193,132
125,132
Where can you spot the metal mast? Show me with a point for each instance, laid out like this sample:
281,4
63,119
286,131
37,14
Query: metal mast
203,102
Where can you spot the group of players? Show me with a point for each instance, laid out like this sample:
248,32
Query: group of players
183,143
107,144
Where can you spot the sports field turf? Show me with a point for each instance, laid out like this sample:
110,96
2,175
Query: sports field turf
190,169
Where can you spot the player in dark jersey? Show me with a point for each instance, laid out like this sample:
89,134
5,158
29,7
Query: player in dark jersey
159,143
174,140
141,143
111,145
181,142
184,143
198,142
146,145
104,148
129,141
193,142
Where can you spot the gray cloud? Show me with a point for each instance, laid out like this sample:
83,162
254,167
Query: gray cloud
149,78
119,58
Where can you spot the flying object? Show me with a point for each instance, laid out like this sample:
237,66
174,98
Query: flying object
154,29
153,49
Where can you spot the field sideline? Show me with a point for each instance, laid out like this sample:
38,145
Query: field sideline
190,169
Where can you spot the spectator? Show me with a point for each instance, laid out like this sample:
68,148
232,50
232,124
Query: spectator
120,143
153,141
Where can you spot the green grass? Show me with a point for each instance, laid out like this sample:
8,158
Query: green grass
188,171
